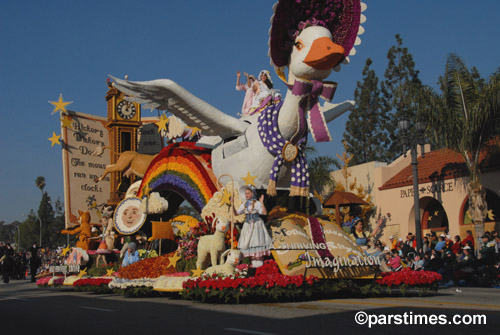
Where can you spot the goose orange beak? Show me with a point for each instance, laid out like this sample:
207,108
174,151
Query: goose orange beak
324,54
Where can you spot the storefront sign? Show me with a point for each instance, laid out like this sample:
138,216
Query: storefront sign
428,190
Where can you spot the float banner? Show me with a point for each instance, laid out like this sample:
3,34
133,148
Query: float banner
83,162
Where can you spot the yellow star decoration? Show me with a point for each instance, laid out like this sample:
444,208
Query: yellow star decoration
82,273
66,122
55,138
109,272
226,198
430,217
60,105
197,272
162,124
249,179
491,216
173,260
183,228
65,251
436,213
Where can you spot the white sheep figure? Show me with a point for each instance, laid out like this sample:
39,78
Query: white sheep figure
212,245
233,259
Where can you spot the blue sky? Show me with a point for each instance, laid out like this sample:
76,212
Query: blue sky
69,47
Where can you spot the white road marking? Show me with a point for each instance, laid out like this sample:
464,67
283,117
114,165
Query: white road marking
97,309
247,331
13,298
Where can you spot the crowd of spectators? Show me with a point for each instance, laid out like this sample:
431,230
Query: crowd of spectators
26,264
460,262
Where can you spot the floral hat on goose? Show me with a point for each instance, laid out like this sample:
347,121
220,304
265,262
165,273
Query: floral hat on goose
341,17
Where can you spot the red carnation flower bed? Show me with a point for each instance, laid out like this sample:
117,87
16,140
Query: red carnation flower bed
267,282
96,285
410,278
92,282
153,267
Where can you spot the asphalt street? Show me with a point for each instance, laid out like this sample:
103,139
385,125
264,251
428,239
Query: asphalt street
26,309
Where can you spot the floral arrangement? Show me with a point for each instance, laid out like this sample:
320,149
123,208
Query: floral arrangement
407,278
153,267
50,281
133,287
96,285
143,253
56,281
181,167
103,269
188,243
43,282
122,283
154,204
268,282
172,282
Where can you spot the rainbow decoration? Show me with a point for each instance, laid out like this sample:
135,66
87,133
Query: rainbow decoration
183,168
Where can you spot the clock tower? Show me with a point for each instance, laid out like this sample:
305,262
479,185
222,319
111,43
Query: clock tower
124,118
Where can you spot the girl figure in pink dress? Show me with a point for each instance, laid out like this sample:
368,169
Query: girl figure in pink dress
249,91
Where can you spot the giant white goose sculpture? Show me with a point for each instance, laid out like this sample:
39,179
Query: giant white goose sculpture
311,40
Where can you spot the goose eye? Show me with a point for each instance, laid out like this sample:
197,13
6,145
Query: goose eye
299,45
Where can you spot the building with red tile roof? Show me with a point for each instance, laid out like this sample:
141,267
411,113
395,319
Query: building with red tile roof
442,179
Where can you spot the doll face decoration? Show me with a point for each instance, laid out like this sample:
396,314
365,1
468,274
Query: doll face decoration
129,217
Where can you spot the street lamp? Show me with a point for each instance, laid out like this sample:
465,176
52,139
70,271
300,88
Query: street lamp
18,234
18,237
410,141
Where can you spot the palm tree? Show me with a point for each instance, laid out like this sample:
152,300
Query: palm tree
462,120
40,182
320,173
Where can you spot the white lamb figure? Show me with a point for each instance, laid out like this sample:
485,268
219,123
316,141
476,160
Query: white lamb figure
233,259
212,245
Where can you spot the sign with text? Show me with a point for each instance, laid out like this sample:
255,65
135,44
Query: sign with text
429,190
149,139
83,162
331,254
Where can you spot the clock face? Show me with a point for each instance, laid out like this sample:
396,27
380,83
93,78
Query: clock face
126,110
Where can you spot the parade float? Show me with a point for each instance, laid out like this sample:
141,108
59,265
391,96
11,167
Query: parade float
213,161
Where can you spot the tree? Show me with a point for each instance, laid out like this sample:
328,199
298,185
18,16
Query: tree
365,133
352,186
29,231
464,121
320,173
320,168
7,232
40,183
399,75
46,215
